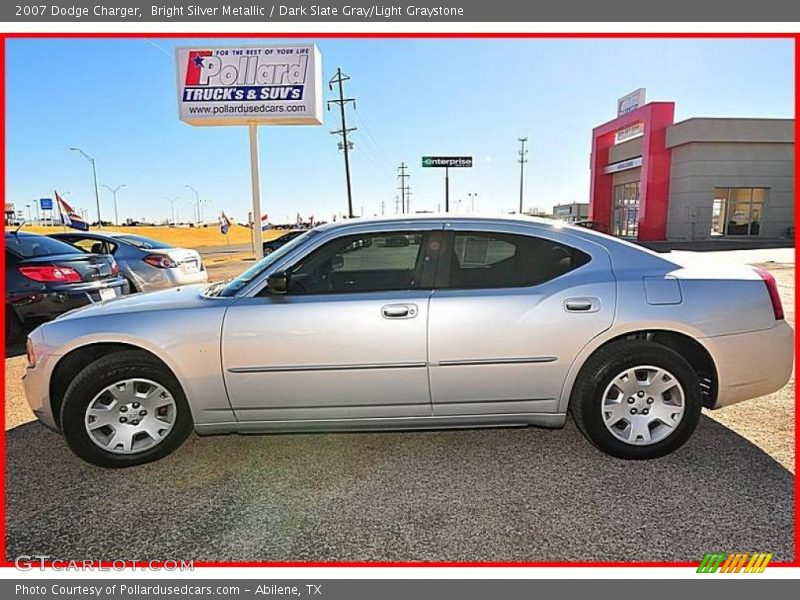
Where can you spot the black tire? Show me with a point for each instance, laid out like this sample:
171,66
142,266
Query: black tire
104,372
597,374
13,326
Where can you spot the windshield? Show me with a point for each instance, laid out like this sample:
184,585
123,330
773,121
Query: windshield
142,242
234,285
28,246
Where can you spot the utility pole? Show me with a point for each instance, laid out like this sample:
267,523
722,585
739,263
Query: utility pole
402,176
172,202
96,190
522,160
383,207
344,145
397,205
114,193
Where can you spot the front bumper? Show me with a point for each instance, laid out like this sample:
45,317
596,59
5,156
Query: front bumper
752,364
36,381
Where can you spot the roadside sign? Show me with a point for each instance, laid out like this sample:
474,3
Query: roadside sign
46,203
446,161
9,207
240,85
250,85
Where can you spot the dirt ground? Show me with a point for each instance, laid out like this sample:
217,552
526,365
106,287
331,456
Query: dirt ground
185,237
767,422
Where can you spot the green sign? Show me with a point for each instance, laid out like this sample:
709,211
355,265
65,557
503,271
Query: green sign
446,161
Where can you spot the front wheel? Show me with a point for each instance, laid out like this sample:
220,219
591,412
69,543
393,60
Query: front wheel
636,399
125,409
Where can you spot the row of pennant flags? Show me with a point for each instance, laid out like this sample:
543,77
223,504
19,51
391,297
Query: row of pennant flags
225,222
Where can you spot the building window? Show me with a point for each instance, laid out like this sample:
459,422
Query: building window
737,211
626,210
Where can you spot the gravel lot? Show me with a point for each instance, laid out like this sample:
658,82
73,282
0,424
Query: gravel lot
496,495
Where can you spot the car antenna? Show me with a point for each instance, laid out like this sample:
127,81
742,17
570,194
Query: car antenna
16,231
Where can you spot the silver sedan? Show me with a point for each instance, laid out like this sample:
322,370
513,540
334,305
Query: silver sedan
417,323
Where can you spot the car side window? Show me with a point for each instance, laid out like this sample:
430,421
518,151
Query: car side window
367,263
93,246
503,260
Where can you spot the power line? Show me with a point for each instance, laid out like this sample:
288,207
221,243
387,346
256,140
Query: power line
404,187
522,160
344,145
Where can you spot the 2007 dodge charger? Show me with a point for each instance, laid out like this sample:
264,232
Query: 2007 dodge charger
418,322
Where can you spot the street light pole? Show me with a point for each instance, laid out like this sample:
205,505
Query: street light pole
114,192
96,190
197,200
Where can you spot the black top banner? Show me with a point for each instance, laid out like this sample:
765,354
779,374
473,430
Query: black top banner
466,11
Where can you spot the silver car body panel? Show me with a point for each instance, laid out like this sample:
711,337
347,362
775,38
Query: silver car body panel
466,358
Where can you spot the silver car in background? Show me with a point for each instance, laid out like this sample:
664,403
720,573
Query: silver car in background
146,264
424,322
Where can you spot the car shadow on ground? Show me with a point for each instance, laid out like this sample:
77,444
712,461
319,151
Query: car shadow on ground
471,495
15,348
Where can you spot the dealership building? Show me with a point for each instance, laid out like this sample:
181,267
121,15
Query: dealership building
700,179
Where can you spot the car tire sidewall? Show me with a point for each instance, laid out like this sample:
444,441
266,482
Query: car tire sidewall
91,381
647,354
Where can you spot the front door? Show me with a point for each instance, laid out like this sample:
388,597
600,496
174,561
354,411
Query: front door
626,210
348,340
510,316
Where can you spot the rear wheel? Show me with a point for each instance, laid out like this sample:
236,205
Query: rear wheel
125,409
637,399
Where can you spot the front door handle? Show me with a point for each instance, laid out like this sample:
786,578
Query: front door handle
587,305
399,311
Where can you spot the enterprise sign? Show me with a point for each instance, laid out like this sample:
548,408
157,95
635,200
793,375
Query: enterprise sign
446,161
623,165
630,102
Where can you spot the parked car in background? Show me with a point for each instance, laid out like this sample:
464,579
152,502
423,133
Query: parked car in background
145,263
598,226
272,245
473,322
47,277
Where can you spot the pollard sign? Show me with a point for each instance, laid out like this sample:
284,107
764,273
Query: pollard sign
264,85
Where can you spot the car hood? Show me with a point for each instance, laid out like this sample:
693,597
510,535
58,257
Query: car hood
183,297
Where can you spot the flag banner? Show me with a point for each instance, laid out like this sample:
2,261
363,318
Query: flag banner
264,222
69,217
224,224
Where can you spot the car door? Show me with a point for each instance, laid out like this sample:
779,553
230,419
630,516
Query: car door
348,339
510,313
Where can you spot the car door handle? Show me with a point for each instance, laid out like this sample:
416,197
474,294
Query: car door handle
582,304
399,311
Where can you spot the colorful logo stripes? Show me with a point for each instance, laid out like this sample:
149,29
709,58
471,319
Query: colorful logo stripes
741,562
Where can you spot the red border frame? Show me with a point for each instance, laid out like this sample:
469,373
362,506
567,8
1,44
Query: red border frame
397,35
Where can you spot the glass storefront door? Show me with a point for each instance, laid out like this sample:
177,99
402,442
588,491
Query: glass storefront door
626,210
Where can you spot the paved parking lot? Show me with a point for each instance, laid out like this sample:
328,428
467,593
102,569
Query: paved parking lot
486,495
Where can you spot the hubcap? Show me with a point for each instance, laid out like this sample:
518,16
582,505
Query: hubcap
643,405
130,416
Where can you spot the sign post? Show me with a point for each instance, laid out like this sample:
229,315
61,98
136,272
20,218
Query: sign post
447,162
252,86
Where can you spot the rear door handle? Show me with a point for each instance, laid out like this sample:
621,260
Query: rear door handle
399,311
588,305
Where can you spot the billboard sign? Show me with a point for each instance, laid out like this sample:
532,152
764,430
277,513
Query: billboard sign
446,161
623,165
9,208
242,85
631,102
46,203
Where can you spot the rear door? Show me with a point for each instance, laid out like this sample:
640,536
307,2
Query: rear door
510,313
348,340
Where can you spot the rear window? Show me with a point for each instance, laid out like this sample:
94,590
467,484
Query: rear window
28,246
501,260
142,242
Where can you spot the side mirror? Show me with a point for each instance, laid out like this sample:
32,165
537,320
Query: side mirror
278,283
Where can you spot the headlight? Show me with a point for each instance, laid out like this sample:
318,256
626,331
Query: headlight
31,353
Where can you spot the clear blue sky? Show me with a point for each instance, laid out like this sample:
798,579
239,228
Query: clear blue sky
116,100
